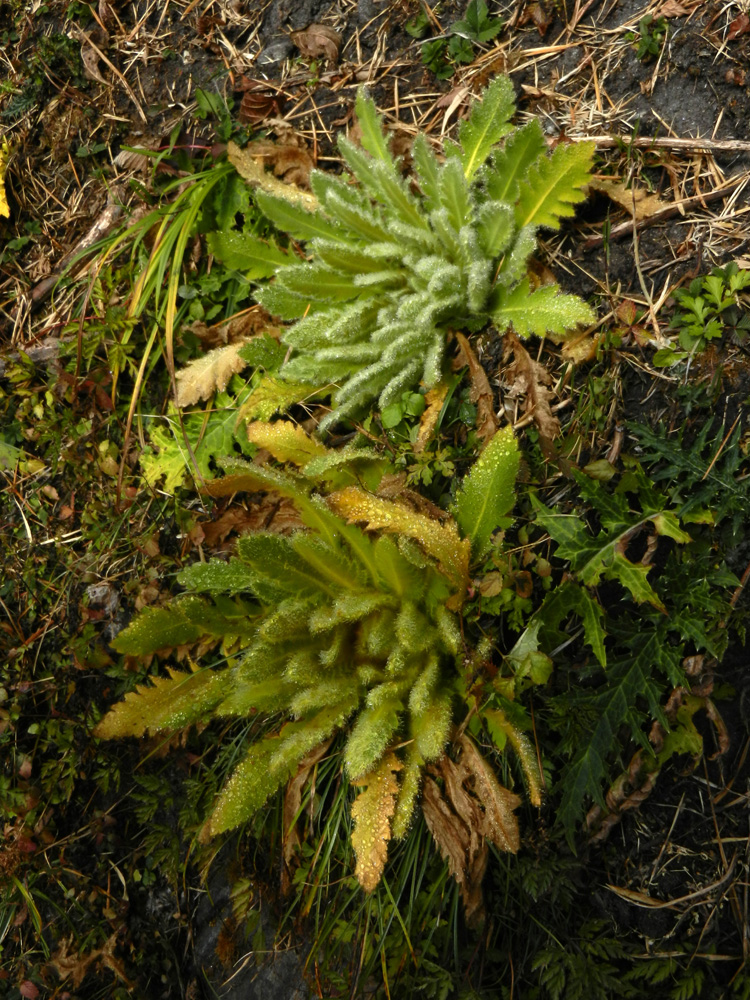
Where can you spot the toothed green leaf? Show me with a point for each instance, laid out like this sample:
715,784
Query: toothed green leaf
487,494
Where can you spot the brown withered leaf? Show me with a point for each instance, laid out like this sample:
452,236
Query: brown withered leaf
292,803
68,964
500,823
434,399
257,104
466,856
635,200
210,373
289,157
90,60
480,391
473,809
538,15
739,26
242,326
531,380
673,8
270,513
629,791
372,811
318,41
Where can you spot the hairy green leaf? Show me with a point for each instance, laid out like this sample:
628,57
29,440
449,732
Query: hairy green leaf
487,494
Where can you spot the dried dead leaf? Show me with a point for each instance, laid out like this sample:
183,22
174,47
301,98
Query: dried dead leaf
202,377
635,200
271,513
372,811
254,172
292,803
672,8
580,349
500,823
318,41
474,808
257,105
133,159
434,399
244,325
456,823
540,18
739,26
530,379
480,391
70,965
90,60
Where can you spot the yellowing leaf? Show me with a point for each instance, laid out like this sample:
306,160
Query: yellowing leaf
287,442
169,703
210,373
435,399
439,539
274,395
502,729
371,812
254,173
4,157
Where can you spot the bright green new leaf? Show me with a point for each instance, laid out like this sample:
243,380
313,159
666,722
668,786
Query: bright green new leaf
242,252
487,494
488,122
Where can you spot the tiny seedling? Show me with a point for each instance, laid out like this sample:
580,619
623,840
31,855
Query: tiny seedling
709,307
650,37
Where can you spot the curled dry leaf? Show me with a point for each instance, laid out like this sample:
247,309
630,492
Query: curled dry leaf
466,854
133,159
249,164
90,60
629,791
473,808
480,391
434,399
530,379
318,41
204,376
635,200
